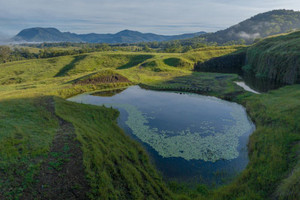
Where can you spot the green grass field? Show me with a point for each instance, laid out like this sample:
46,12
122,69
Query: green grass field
115,166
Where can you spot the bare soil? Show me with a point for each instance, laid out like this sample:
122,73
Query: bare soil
104,79
62,173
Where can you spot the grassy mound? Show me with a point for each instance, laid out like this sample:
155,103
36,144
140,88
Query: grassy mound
96,61
178,62
206,53
152,65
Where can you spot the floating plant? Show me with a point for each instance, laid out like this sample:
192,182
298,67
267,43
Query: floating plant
186,144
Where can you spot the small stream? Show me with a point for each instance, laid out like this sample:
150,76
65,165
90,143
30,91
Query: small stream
246,87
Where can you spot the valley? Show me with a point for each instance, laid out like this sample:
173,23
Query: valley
114,165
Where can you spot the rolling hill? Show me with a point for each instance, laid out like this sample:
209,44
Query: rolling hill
126,36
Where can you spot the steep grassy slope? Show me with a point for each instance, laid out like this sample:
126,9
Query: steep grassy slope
276,58
116,166
230,63
268,64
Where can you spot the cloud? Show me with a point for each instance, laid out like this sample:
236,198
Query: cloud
110,16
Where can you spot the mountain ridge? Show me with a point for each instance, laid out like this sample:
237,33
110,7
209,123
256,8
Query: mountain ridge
39,34
259,26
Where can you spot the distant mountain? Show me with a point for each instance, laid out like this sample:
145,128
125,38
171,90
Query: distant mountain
126,36
259,26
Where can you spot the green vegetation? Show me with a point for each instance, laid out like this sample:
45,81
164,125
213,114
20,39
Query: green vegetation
274,161
50,50
115,166
28,127
213,84
104,76
273,147
276,58
230,63
27,130
270,63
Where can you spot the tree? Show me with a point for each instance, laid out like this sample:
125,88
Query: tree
4,53
146,48
241,41
186,49
257,40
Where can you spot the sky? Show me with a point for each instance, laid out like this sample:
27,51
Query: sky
167,17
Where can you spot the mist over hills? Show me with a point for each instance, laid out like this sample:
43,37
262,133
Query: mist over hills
260,26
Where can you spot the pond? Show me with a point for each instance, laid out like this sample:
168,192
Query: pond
190,138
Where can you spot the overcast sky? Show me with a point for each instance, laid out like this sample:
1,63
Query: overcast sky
111,16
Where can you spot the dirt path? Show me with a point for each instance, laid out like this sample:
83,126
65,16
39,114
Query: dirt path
62,173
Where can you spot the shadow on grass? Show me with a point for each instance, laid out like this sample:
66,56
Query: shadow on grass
173,62
135,60
214,84
70,66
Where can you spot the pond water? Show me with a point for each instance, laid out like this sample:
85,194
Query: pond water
190,138
261,84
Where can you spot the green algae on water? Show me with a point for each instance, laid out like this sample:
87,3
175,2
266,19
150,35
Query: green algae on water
208,145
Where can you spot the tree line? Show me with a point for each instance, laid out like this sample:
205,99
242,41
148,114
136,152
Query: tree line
49,50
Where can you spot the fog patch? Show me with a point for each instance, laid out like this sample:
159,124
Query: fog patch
248,36
4,39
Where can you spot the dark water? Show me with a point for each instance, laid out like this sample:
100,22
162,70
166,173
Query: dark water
190,138
261,84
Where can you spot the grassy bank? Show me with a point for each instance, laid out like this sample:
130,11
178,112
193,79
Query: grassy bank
116,166
273,148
